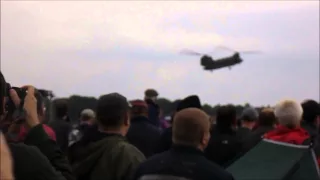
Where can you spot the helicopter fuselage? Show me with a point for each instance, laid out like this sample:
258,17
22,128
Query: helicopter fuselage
210,64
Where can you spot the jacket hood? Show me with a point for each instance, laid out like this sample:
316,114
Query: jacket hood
284,134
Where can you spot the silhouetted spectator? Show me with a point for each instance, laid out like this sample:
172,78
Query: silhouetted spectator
61,127
142,133
224,145
311,122
150,96
185,160
106,153
311,117
248,119
266,122
87,119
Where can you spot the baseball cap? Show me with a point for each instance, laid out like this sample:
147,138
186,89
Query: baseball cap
249,114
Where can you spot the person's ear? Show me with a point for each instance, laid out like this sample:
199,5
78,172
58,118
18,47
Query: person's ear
205,138
127,119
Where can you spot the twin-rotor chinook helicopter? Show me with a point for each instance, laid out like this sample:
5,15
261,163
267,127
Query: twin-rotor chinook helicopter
210,64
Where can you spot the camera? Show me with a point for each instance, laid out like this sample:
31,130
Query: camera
16,112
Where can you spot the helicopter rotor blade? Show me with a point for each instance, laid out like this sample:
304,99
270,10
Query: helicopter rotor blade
190,52
241,52
250,52
225,48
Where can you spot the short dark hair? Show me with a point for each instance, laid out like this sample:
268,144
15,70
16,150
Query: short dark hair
60,107
226,116
151,93
311,109
267,117
111,110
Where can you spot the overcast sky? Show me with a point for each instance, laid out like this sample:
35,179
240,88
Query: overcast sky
93,48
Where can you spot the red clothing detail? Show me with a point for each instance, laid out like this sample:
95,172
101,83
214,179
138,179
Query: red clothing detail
48,130
283,134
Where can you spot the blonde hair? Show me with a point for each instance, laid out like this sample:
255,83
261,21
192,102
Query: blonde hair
288,112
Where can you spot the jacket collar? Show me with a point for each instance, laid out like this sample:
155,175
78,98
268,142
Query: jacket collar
186,149
140,119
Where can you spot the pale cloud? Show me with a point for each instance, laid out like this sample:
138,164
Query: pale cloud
49,37
57,24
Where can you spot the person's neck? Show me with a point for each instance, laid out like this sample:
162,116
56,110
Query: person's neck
248,125
120,131
199,147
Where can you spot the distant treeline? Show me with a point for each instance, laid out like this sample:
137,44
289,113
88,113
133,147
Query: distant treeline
78,103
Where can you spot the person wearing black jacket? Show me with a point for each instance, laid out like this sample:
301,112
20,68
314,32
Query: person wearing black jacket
310,122
249,118
185,160
225,144
150,97
266,122
60,124
142,133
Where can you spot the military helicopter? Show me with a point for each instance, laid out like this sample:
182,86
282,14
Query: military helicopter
210,64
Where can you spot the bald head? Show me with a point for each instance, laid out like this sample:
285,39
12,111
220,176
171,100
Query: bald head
190,127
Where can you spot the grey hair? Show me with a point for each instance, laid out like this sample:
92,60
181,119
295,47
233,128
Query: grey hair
288,112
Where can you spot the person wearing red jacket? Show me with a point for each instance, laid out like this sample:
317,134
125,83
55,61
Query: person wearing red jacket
289,114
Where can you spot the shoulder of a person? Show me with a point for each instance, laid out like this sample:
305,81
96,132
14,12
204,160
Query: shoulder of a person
128,151
126,147
20,148
23,152
216,171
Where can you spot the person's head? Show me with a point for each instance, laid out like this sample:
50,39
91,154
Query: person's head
249,117
267,117
311,112
139,108
226,117
87,116
191,127
113,113
288,113
151,94
192,101
61,108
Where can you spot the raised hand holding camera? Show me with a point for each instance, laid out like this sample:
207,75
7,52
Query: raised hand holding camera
30,107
